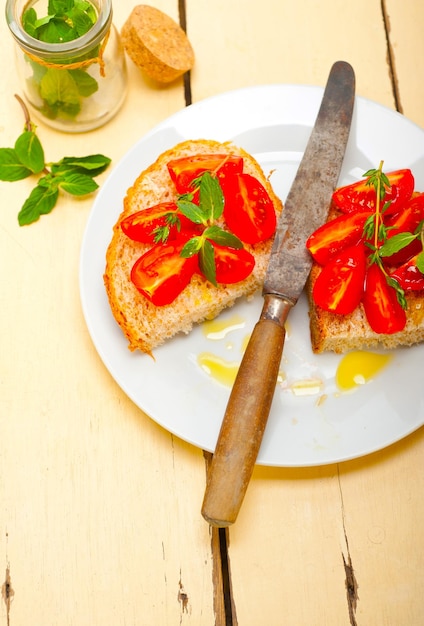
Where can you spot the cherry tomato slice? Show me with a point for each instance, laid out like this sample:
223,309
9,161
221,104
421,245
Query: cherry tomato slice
409,276
406,221
384,313
185,169
342,232
141,226
232,265
248,209
360,196
340,285
162,273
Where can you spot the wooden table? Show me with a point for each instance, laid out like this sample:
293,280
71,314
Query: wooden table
100,507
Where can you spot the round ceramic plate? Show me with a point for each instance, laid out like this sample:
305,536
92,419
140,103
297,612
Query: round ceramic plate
186,387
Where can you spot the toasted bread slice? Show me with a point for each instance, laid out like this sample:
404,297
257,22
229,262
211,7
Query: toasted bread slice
145,325
341,333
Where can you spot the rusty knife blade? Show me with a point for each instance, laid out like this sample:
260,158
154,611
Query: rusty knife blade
308,201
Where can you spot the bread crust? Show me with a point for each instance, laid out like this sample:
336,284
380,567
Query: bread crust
145,325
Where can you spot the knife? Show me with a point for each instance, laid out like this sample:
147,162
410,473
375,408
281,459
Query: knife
305,209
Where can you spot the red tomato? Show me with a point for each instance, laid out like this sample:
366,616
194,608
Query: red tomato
384,313
162,273
232,265
406,221
342,232
409,276
185,169
360,196
340,285
248,209
141,226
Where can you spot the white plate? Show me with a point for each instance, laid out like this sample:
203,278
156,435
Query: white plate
272,122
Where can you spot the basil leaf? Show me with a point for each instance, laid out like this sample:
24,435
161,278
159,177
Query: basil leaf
40,201
207,262
194,213
11,168
222,237
211,197
192,247
396,243
420,262
77,184
30,151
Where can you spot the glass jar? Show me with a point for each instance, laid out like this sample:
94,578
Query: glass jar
75,85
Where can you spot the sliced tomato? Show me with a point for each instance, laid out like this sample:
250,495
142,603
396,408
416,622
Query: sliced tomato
409,276
162,273
406,221
185,169
342,232
232,265
248,209
360,196
340,285
142,225
384,313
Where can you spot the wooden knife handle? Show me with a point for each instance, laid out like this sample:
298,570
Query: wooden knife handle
246,416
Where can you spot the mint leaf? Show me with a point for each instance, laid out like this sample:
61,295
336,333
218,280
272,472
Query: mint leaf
193,212
222,237
207,262
78,184
396,243
81,21
192,247
29,18
211,196
85,83
94,164
420,262
58,88
30,152
11,168
40,201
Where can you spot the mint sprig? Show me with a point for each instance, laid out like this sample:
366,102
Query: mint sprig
73,175
206,214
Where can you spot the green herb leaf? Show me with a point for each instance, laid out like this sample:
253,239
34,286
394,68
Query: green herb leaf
193,212
30,151
11,168
400,294
192,247
222,237
40,201
396,243
58,88
85,83
93,165
207,262
211,197
29,17
77,184
420,262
